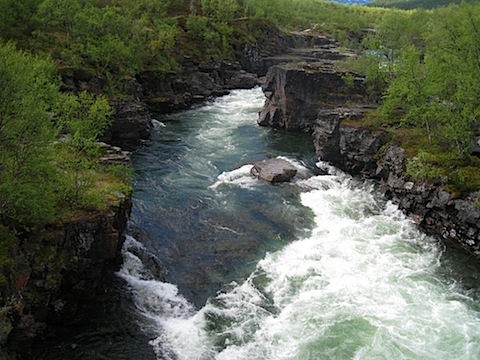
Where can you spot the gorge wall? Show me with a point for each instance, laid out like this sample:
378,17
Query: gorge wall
58,275
314,96
152,92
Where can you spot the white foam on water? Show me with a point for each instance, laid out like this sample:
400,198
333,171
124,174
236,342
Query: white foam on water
158,124
362,286
240,177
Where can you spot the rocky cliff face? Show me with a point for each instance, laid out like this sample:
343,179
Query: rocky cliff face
295,94
197,82
59,274
371,154
152,92
312,95
308,80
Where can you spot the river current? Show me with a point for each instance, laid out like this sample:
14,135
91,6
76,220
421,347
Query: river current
224,266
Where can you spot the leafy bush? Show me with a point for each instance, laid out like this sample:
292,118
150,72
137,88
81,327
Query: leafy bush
39,174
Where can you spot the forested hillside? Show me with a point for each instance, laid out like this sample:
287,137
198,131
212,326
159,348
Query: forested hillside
424,66
112,41
112,38
422,62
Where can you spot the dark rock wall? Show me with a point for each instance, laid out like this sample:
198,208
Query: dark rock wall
132,122
59,274
197,83
372,155
296,92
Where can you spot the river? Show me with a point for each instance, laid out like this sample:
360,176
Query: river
223,266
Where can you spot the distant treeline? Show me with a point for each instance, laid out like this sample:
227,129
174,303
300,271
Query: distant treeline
416,4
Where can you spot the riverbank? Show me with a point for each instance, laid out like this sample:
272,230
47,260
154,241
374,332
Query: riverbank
314,96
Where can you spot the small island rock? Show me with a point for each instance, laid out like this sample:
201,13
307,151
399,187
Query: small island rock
274,170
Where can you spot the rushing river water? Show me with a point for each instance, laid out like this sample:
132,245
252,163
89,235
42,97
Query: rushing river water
224,266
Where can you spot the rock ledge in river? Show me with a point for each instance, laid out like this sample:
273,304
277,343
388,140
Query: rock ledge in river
274,170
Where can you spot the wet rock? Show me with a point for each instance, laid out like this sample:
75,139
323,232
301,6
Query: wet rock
274,170
62,272
132,122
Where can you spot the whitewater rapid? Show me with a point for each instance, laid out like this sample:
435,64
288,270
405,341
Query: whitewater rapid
360,283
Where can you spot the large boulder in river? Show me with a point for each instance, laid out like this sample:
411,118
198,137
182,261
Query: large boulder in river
274,170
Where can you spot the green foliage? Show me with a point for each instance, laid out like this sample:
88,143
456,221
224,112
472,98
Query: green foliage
17,18
338,19
409,90
349,79
79,177
453,50
457,173
219,10
39,174
433,82
113,38
383,47
422,166
465,179
27,176
83,119
208,39
121,171
425,66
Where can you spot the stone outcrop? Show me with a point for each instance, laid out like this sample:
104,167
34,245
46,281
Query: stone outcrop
158,93
273,47
60,272
114,155
296,92
197,83
132,122
351,148
439,212
274,170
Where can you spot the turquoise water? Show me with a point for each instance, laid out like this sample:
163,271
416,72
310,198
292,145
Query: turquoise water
320,268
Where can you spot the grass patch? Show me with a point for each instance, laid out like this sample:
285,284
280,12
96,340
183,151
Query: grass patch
459,173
